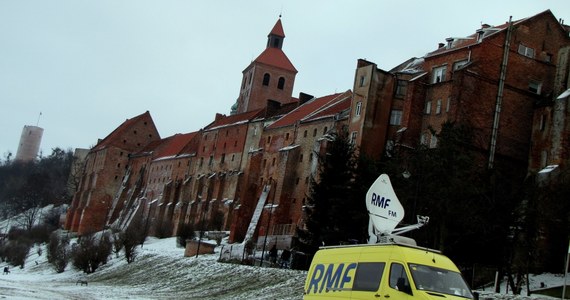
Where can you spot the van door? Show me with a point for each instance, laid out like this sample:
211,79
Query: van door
367,280
398,285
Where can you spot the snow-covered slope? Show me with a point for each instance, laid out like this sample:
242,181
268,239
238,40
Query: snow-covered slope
160,271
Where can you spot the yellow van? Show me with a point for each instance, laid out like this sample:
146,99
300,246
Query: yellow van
382,271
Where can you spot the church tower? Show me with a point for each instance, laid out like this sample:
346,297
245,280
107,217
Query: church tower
269,77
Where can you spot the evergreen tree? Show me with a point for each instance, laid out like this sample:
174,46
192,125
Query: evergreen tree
334,214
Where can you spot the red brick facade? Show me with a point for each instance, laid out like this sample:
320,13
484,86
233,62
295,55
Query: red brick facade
271,140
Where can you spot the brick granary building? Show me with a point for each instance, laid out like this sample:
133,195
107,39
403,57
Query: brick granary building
249,172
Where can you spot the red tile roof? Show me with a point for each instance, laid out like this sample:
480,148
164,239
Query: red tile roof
278,29
332,108
174,145
306,110
116,136
277,58
472,39
222,120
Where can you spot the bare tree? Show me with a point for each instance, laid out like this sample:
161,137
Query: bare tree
28,218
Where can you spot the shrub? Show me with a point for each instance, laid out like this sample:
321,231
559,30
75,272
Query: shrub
58,251
164,229
41,233
185,232
118,240
17,251
91,252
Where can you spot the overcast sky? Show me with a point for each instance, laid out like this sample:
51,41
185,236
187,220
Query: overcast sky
87,66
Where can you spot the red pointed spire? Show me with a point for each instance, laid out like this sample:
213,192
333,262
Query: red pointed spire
278,29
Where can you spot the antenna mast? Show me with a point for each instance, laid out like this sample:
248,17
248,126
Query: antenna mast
38,123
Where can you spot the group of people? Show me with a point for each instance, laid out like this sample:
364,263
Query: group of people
283,260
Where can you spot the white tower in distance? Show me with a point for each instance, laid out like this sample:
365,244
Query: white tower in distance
30,141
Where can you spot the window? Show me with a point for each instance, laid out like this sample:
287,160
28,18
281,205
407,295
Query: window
325,130
287,136
301,157
526,51
401,88
439,74
368,276
548,57
534,86
433,141
273,162
459,64
396,117
233,157
362,80
438,107
269,139
305,134
353,137
424,138
266,78
428,108
223,158
358,108
399,279
281,83
315,132
211,161
447,104
542,122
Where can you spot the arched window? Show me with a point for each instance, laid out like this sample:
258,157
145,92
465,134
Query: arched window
266,78
281,83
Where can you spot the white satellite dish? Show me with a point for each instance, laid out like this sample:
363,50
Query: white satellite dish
386,212
383,206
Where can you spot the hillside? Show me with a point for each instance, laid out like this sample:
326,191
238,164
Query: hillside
159,272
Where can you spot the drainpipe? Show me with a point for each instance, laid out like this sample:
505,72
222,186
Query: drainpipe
494,133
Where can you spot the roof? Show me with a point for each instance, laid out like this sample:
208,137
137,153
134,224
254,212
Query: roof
486,31
224,121
305,110
332,109
116,136
278,29
277,58
173,145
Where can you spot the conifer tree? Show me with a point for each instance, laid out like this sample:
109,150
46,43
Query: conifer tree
333,215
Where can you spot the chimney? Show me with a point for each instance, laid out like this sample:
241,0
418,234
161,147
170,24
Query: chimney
272,107
219,116
449,42
304,98
440,45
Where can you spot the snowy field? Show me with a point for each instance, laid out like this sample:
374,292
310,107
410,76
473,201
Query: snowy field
162,272
159,272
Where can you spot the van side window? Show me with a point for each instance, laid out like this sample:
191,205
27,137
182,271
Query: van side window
399,279
368,276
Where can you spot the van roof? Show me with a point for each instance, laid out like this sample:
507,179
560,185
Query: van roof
383,245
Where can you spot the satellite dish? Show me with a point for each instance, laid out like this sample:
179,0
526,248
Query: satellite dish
383,206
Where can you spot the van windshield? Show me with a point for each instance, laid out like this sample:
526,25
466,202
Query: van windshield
431,279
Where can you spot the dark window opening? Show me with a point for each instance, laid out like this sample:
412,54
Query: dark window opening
266,78
281,83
